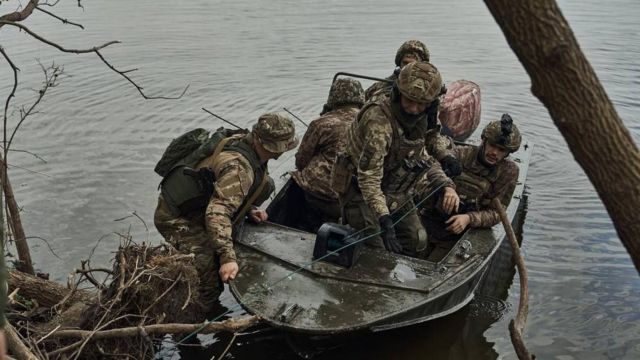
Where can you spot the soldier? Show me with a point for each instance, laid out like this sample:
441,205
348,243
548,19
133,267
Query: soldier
241,182
320,144
410,51
487,173
438,145
385,156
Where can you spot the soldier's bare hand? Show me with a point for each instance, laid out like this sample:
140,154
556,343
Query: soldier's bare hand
258,215
457,223
450,201
228,271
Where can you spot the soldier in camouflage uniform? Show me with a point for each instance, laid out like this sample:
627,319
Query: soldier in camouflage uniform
487,173
240,172
385,156
320,144
410,51
438,145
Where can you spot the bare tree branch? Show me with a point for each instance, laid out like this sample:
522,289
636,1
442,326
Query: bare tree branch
96,50
6,106
49,42
64,21
123,73
29,170
19,15
49,4
46,242
234,325
50,79
30,153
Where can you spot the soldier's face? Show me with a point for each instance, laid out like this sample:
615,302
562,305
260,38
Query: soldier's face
494,154
407,59
412,107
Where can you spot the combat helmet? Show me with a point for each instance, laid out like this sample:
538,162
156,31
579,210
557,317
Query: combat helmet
275,132
345,92
420,81
412,47
503,133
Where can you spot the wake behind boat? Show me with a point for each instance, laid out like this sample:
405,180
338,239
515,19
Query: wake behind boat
280,282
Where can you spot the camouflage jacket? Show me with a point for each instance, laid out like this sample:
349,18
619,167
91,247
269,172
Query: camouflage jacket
234,177
378,148
316,154
499,181
379,89
477,186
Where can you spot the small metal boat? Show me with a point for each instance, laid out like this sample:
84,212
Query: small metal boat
279,281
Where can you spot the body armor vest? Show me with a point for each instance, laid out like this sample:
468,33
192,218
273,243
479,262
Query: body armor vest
404,162
189,191
476,181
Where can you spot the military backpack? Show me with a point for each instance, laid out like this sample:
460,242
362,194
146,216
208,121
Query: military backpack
184,188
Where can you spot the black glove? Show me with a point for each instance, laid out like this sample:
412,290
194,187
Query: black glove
389,234
451,166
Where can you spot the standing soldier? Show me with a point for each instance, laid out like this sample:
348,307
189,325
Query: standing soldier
320,144
438,145
487,173
385,156
239,180
410,51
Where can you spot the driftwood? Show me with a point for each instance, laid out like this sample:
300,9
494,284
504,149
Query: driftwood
516,327
15,344
149,292
46,293
231,325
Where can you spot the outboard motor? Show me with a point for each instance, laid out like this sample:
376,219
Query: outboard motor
332,237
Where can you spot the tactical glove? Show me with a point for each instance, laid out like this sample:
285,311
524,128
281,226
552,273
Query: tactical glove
451,166
389,234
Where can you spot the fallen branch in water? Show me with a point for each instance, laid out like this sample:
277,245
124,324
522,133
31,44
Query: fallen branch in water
231,325
16,346
516,327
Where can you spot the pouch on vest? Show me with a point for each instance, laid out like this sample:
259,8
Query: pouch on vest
341,174
186,190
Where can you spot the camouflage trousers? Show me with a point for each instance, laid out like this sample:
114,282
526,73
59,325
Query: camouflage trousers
188,235
409,230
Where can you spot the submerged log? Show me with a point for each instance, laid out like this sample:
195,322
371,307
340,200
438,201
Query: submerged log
46,293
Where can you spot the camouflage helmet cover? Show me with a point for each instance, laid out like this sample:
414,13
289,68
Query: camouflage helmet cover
420,81
503,133
412,47
276,132
345,92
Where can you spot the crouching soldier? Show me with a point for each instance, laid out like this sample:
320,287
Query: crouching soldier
487,173
318,148
384,158
234,170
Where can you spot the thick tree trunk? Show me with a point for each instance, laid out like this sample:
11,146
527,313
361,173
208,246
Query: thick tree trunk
13,219
567,85
46,293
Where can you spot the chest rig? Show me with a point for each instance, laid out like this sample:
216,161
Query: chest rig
405,161
475,184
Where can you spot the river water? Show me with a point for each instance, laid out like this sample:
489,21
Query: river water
100,141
